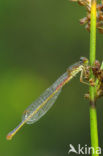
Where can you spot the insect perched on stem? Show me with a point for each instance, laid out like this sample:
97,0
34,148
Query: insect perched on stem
39,107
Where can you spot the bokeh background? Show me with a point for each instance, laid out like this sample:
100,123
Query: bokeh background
39,39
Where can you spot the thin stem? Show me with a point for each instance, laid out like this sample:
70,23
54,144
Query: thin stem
94,130
93,113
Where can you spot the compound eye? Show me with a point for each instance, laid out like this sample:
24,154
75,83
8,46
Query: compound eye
84,60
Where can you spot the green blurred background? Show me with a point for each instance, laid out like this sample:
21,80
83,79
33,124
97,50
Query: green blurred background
39,39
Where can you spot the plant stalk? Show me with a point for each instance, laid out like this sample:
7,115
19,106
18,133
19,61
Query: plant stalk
92,90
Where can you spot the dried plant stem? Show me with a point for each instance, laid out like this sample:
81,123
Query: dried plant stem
93,114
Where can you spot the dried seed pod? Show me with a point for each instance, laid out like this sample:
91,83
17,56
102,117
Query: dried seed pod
83,20
87,96
99,7
81,2
87,27
97,64
100,29
86,20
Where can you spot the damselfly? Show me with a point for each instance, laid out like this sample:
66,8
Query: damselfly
39,107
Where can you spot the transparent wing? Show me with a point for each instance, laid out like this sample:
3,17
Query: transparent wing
32,108
39,107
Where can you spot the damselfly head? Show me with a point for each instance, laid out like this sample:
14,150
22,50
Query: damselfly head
84,60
